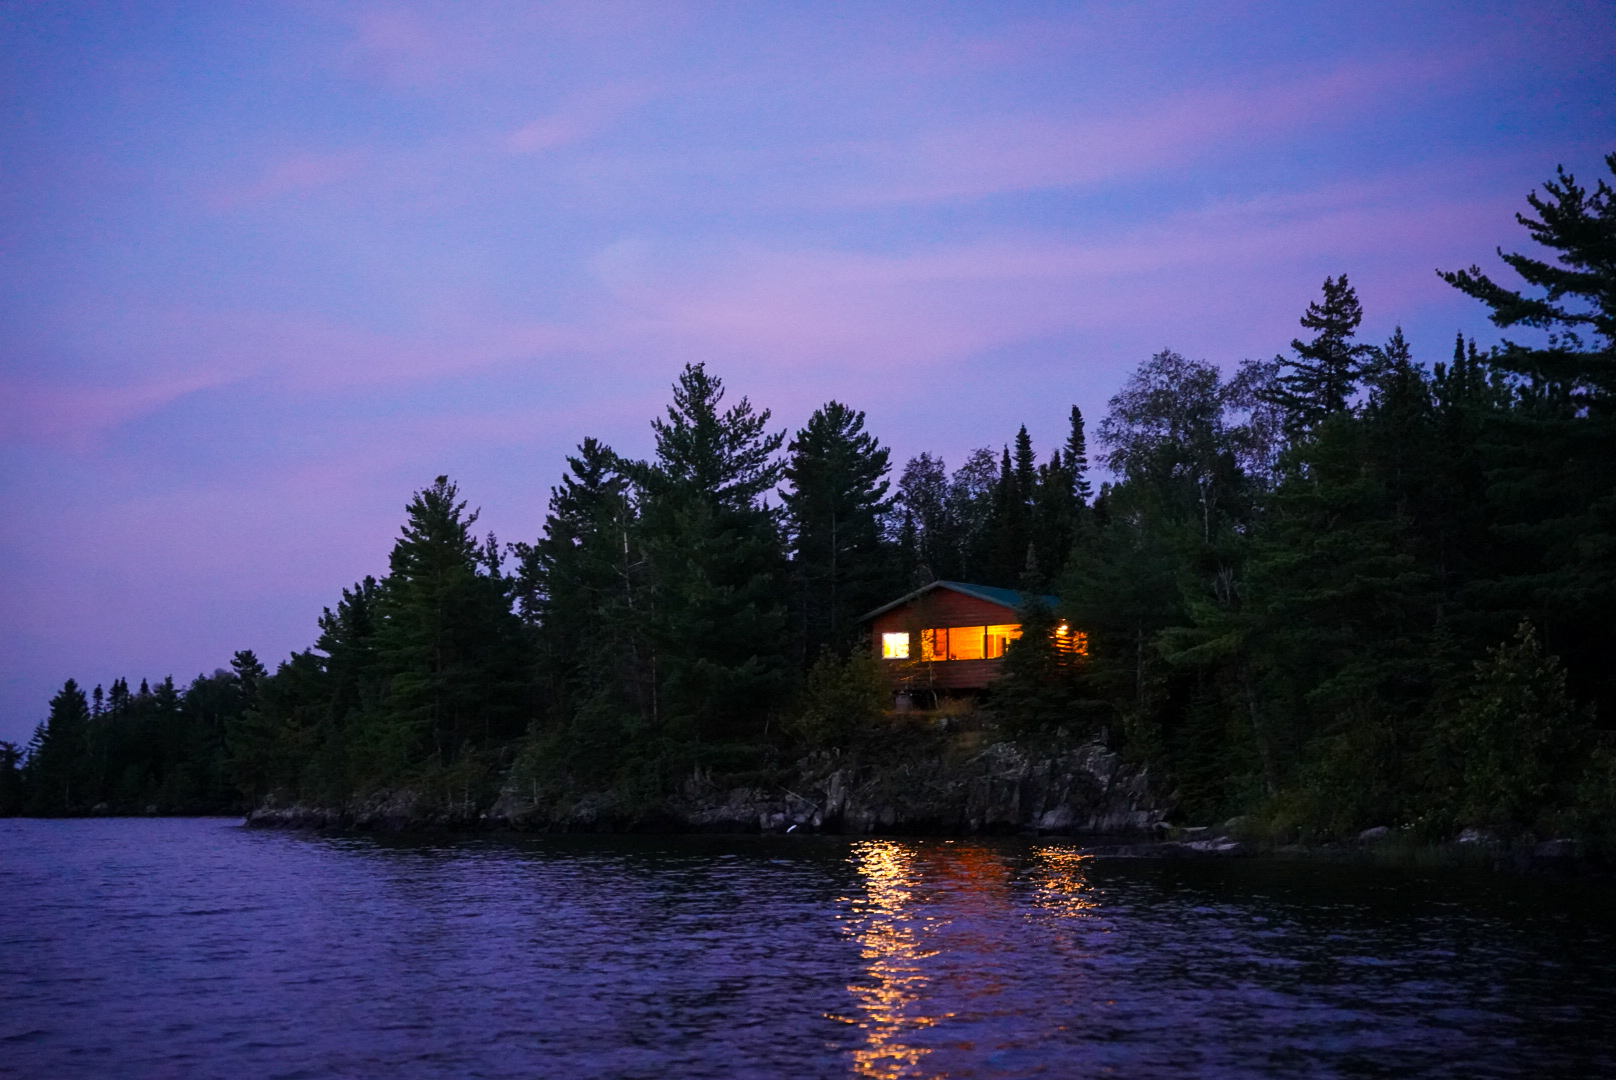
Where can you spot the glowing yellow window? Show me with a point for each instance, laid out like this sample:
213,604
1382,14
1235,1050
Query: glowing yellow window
933,644
965,642
895,646
1072,641
999,637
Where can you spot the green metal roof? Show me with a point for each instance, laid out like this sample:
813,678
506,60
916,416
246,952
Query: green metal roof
1010,598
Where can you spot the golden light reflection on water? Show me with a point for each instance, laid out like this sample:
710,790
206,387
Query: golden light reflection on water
921,898
1062,888
892,946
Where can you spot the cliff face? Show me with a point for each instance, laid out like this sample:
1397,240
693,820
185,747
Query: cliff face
999,788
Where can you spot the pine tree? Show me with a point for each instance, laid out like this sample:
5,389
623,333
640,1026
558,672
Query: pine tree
1581,228
583,588
1060,505
838,496
717,563
11,789
1321,380
1054,517
1077,459
1009,529
451,647
58,774
1026,466
271,742
1550,455
351,686
249,671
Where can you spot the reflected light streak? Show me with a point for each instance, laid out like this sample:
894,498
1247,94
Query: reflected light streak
893,948
1062,889
922,902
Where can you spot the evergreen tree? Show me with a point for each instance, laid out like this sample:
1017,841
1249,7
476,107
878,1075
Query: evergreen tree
1346,622
1321,380
1581,228
351,687
1077,460
446,638
583,588
1026,466
717,563
208,706
1010,528
58,773
1054,519
1040,686
835,505
11,790
272,741
249,671
1550,458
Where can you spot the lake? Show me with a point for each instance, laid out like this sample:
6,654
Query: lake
198,948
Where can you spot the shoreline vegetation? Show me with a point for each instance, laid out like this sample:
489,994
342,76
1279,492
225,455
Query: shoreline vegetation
1345,601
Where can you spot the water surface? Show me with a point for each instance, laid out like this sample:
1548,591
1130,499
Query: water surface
197,948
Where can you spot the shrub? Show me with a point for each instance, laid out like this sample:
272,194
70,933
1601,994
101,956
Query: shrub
839,698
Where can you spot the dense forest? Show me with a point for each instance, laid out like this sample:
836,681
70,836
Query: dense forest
1339,588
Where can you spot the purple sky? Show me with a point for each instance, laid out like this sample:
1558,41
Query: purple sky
267,268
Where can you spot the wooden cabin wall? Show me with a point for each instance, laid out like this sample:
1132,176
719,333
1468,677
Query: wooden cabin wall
942,608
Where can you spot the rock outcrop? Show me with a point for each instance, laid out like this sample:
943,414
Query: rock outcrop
998,788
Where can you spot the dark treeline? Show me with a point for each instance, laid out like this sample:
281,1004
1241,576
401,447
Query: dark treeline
1343,587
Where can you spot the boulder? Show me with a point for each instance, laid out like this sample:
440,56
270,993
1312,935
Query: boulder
1557,849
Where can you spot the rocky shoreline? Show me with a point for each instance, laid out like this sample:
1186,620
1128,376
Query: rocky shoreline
1087,792
1000,788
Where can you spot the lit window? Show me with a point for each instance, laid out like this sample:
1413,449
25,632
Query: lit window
895,646
999,637
1072,641
965,642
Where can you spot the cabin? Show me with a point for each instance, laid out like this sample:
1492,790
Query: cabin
950,636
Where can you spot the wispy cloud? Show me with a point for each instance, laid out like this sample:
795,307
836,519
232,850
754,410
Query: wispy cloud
296,173
574,121
73,413
806,307
813,308
1015,152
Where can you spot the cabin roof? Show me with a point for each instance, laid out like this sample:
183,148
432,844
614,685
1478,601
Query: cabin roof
1009,598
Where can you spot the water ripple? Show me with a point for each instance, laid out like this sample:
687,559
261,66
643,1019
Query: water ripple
195,948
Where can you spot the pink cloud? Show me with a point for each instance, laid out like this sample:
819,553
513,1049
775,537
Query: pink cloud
574,121
72,413
1008,153
1226,272
300,354
301,172
1235,271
